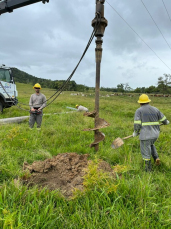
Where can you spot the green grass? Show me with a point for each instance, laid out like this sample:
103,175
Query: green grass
141,200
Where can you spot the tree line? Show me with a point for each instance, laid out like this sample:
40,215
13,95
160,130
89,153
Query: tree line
23,77
163,85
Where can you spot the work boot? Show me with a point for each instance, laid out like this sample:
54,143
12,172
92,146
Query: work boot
148,166
157,161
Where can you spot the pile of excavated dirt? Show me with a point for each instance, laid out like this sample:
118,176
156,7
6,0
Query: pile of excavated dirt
64,172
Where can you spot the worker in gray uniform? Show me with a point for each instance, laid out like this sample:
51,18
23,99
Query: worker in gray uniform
37,103
146,124
81,108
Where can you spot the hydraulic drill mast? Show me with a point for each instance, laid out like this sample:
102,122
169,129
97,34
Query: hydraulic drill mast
7,6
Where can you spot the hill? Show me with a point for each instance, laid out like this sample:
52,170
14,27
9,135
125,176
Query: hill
23,77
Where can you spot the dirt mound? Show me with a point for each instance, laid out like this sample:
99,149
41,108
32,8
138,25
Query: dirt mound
64,172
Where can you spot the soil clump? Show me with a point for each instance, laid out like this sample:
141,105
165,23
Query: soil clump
63,172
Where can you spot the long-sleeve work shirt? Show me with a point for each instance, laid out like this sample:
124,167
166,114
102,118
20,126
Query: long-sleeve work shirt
146,121
37,101
81,108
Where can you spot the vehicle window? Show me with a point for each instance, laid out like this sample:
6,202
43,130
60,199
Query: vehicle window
5,75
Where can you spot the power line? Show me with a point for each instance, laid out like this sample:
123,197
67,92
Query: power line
166,10
138,35
155,24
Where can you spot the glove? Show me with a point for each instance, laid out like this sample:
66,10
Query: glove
167,122
135,134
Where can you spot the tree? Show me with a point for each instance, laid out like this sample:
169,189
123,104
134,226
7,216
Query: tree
164,83
120,87
137,90
140,90
127,87
151,89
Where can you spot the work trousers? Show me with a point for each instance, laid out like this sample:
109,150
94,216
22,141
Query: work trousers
35,118
148,149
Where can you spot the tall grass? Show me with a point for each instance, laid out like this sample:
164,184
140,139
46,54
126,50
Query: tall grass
140,200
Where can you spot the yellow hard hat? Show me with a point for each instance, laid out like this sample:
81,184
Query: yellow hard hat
144,99
77,105
37,85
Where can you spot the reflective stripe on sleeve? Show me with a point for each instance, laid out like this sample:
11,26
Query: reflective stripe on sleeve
161,120
150,123
137,122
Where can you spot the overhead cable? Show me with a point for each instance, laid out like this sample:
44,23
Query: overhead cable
166,10
138,35
155,24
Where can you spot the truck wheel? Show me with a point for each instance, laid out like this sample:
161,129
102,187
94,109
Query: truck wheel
1,108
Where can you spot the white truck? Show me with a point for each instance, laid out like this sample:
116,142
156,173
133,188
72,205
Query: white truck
8,90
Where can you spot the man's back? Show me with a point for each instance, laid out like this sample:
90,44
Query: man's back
147,119
81,108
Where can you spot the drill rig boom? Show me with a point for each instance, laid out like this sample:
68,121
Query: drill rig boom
7,6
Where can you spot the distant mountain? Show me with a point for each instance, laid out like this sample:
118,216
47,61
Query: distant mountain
23,77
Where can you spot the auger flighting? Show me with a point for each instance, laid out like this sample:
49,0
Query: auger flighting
99,123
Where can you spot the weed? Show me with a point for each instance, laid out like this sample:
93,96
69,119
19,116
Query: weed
131,199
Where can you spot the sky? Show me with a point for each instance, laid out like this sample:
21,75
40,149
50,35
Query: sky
47,41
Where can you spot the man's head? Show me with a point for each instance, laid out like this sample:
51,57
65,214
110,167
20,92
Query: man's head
144,99
77,106
37,87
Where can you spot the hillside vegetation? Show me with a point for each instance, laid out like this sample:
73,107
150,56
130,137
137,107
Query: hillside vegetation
139,199
163,84
23,77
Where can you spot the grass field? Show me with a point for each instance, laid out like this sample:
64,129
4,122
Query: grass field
141,200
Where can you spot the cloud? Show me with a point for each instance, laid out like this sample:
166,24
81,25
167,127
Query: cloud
47,41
